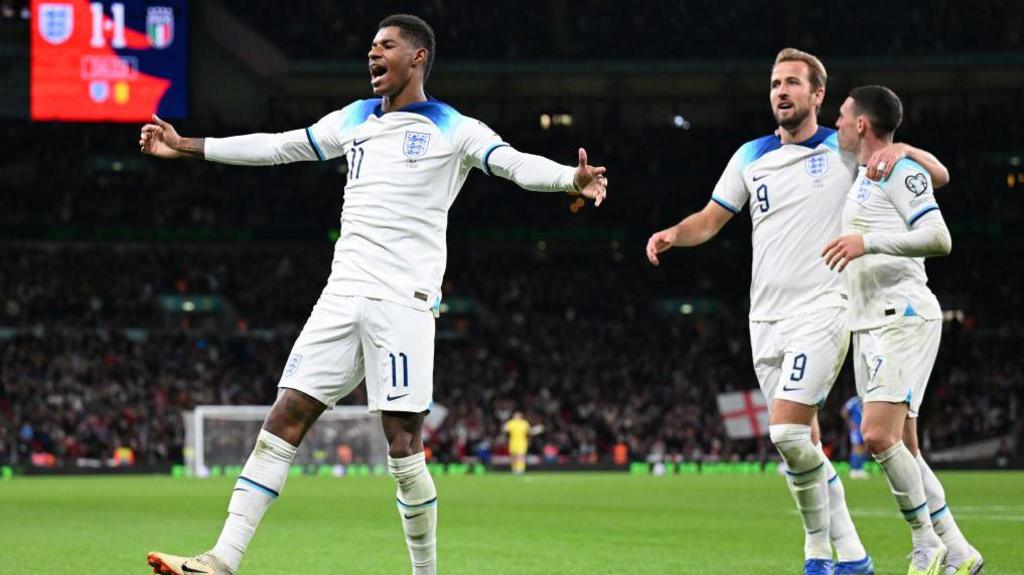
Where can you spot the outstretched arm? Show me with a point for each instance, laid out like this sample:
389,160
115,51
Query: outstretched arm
540,174
695,229
882,162
160,139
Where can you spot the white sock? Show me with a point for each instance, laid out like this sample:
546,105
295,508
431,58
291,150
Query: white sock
417,507
805,476
905,483
259,484
942,518
840,525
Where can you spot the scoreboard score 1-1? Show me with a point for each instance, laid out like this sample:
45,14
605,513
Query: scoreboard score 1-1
118,61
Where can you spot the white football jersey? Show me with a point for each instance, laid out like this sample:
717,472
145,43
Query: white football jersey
883,287
795,195
405,169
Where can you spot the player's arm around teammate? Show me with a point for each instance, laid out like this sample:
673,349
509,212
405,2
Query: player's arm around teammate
896,321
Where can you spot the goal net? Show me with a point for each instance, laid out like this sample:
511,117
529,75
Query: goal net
222,436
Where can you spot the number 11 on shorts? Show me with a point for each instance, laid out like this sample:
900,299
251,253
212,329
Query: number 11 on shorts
394,370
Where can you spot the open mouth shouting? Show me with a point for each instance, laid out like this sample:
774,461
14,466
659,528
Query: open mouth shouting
378,72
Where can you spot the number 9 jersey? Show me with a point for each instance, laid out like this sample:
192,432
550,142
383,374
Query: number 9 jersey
795,194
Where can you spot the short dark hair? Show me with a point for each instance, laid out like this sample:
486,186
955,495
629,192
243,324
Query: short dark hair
882,107
417,30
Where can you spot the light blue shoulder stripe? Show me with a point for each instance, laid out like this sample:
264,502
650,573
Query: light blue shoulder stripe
754,149
445,117
748,152
832,141
910,165
356,113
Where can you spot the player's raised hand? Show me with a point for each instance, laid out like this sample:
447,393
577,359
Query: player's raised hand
839,252
160,139
882,162
590,180
660,242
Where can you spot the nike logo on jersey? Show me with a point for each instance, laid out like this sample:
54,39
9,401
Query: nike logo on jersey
784,388
359,142
872,389
396,397
760,177
412,516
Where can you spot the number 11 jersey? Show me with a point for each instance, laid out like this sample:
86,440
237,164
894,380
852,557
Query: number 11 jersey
405,168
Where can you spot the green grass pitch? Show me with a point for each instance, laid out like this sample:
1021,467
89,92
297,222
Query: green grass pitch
543,523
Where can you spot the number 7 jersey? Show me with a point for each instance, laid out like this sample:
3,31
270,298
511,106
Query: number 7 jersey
795,194
405,168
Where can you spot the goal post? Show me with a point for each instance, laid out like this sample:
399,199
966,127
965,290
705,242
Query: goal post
224,435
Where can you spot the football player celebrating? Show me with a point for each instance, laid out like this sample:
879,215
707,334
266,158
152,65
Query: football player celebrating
794,183
408,156
890,227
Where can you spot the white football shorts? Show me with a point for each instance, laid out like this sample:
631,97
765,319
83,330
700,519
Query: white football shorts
894,362
799,358
347,338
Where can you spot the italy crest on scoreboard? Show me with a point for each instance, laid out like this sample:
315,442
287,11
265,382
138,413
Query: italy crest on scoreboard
416,144
56,22
160,26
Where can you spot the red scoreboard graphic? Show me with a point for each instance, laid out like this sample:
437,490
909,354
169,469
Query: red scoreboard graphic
115,61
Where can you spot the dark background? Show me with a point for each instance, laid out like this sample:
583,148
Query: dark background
553,307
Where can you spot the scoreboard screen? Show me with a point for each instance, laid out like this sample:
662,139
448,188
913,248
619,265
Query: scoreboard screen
115,61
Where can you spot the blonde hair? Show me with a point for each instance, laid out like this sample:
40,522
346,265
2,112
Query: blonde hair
815,69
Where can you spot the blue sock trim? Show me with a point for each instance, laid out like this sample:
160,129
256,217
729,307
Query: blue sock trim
403,505
914,511
940,511
792,474
259,487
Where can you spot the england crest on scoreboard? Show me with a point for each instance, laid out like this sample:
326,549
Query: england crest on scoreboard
56,22
160,26
99,91
816,165
416,144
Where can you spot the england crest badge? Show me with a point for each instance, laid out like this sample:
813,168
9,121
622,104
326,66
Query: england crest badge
416,144
816,165
864,191
293,365
160,26
56,22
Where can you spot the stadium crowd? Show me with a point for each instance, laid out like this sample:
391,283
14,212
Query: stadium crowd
591,346
568,322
